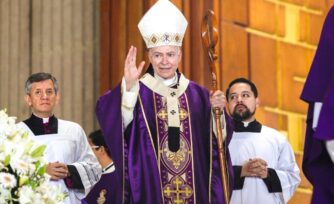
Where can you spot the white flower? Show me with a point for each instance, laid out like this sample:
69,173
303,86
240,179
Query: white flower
26,195
23,178
4,195
22,167
7,124
7,180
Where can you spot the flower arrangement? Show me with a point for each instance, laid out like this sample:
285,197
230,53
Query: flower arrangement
23,177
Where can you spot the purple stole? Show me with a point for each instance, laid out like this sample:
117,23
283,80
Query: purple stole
176,167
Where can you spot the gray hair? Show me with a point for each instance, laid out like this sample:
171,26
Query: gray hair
38,77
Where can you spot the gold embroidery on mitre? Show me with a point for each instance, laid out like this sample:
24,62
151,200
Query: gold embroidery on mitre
163,39
177,38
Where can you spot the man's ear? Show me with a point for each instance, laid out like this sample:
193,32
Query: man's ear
180,55
57,98
28,99
103,149
257,101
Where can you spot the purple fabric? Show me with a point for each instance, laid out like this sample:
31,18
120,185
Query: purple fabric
105,183
47,128
319,87
140,176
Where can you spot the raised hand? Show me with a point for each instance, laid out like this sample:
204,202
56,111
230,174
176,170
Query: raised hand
131,72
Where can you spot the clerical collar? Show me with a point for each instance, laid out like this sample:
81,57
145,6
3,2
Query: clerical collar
42,126
168,82
253,126
109,169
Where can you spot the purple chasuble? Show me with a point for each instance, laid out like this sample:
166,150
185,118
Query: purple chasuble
104,189
319,87
148,175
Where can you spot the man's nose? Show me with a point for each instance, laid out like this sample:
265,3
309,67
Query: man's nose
164,60
44,95
239,99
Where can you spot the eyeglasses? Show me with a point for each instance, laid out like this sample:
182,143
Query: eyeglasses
95,147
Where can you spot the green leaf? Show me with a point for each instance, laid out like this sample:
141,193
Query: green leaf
25,135
7,160
23,180
37,164
41,171
38,152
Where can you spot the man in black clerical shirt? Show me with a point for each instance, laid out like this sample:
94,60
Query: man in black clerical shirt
265,170
72,164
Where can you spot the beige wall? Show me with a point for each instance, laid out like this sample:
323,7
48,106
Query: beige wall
56,36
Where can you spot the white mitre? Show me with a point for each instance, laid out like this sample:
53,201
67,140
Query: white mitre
163,24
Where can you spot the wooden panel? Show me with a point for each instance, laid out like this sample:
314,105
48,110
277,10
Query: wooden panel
259,10
263,68
186,45
118,43
235,59
267,118
132,33
310,27
301,196
235,11
316,23
292,58
105,48
320,5
298,2
280,21
119,32
199,69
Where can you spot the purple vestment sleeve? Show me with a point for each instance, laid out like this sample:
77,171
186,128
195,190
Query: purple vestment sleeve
111,125
319,87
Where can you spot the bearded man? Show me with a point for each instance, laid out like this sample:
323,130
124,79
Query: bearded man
265,170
